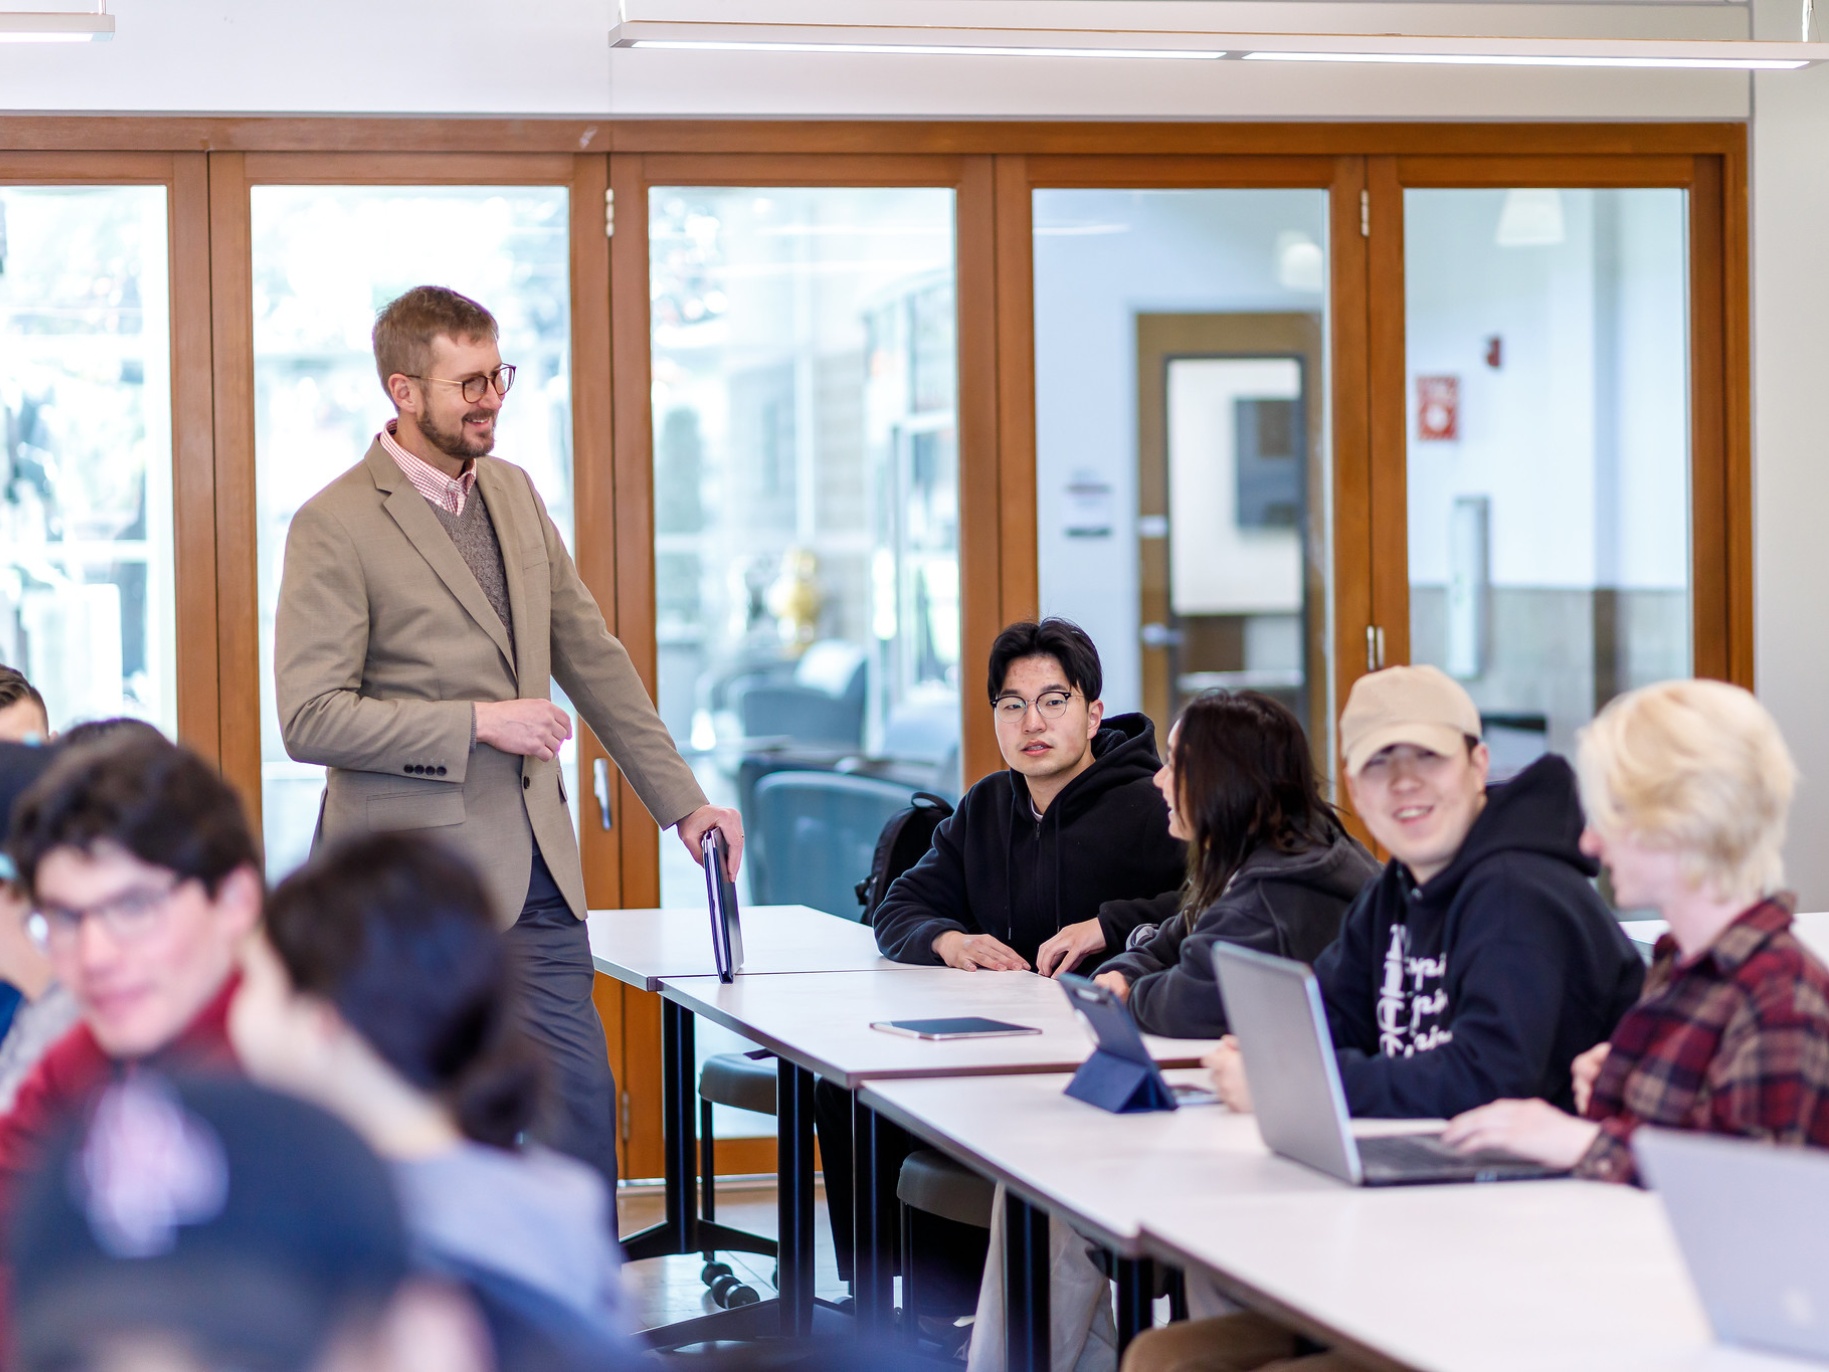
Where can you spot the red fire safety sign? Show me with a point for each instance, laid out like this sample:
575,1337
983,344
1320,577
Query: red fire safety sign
1438,408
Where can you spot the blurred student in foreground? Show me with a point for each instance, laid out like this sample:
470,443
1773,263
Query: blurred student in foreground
139,863
1687,786
212,1226
45,1010
23,716
383,992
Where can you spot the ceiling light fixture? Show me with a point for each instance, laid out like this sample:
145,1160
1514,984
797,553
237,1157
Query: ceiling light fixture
1675,54
18,26
921,49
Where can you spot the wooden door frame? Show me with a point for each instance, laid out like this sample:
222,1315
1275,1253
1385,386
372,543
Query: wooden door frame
1342,176
982,557
1164,336
184,177
1720,426
236,632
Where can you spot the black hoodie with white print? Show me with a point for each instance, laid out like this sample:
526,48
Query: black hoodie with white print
1489,980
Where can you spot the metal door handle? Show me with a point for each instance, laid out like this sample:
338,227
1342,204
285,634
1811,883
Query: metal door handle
600,787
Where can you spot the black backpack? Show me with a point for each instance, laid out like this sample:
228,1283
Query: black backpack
908,834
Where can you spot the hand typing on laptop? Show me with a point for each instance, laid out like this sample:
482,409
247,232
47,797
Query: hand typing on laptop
1532,1129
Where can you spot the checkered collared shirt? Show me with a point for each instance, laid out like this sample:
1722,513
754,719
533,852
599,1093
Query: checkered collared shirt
1735,1041
445,492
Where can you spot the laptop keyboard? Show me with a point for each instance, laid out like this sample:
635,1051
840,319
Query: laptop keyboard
1427,1152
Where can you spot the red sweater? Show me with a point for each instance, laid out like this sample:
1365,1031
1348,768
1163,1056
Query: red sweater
76,1067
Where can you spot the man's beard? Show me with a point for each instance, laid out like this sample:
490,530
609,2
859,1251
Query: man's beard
458,443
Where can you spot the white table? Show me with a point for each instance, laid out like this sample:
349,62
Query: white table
821,1025
1099,1171
1509,1277
639,947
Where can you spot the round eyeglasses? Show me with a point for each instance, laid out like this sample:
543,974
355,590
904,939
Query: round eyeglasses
1049,704
474,387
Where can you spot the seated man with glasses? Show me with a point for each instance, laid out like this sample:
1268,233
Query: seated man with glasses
144,881
1016,878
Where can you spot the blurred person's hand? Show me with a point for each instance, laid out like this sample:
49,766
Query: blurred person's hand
1585,1071
1115,982
1063,952
969,952
1532,1129
1227,1065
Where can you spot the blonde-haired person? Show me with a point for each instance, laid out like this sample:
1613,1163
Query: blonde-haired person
1687,786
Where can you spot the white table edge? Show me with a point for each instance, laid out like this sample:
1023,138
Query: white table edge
852,1081
1128,1245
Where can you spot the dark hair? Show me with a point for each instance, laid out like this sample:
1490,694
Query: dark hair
116,726
395,931
406,326
15,688
1244,779
1060,639
156,799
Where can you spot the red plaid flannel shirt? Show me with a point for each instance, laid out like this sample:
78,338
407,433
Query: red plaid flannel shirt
1734,1042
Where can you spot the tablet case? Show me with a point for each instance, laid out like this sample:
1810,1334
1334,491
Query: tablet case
1120,1076
721,892
1120,1085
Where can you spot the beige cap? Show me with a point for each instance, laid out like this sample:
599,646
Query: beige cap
1423,706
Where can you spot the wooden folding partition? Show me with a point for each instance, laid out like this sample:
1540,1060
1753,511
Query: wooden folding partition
210,164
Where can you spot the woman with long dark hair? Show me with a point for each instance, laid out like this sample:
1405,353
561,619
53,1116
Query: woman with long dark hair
383,992
1269,865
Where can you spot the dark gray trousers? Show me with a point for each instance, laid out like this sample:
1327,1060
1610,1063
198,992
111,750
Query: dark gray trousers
552,948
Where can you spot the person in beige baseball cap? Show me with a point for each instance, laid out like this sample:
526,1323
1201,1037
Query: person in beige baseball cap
1475,967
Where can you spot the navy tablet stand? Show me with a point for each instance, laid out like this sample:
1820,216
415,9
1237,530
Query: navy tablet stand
1120,1085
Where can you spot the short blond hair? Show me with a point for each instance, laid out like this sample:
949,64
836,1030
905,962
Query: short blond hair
1695,766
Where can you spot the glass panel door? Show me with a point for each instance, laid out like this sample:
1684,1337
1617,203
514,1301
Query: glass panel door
806,460
87,594
1182,463
1547,384
326,258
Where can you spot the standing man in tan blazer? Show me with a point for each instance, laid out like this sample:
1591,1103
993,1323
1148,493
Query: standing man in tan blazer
427,602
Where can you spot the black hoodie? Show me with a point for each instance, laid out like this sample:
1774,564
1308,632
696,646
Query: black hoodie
995,869
1289,904
1487,982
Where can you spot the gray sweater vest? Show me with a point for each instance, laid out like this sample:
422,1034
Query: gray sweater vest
474,534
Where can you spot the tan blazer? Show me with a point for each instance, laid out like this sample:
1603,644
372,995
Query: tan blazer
384,640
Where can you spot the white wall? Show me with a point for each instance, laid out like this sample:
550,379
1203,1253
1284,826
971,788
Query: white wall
466,57
1790,215
553,57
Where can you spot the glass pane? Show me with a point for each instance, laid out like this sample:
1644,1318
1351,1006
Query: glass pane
1547,338
87,600
326,258
1181,425
806,522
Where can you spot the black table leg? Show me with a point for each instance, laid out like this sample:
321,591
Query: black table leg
1136,1298
794,1253
1025,1286
678,1232
873,1199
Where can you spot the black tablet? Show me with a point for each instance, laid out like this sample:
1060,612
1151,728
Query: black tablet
958,1027
721,893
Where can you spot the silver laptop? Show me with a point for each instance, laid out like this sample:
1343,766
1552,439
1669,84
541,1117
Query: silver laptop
1750,1218
1274,1007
